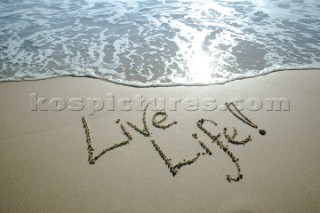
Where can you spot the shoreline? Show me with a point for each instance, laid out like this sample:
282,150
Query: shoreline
45,154
135,84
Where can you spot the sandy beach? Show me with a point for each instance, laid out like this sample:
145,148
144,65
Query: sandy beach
45,156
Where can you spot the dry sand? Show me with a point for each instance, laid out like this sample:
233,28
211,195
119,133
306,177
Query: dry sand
44,158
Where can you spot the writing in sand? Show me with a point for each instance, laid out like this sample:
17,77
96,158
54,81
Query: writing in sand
158,121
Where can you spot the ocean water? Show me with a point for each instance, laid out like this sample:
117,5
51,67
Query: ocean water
157,43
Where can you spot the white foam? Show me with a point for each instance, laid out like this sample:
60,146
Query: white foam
157,43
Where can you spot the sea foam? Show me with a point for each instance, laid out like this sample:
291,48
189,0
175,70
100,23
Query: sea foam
157,43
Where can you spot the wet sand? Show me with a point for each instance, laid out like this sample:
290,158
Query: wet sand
45,156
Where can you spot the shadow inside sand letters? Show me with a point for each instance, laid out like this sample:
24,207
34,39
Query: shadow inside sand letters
158,121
